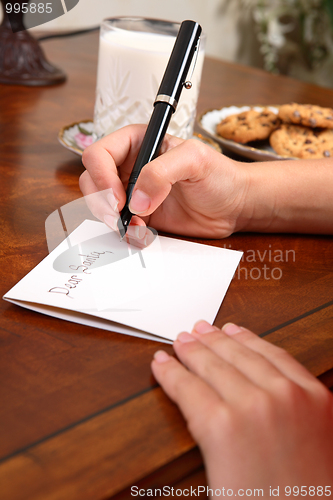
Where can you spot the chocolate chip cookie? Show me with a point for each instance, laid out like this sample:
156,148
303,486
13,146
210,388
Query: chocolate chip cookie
302,142
248,126
306,114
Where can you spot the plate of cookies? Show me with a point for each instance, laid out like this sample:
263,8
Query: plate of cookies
272,132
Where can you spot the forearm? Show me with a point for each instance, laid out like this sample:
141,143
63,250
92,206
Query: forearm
289,196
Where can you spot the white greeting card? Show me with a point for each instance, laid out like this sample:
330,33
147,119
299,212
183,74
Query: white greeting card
94,279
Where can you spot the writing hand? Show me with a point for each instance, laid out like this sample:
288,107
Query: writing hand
189,189
193,190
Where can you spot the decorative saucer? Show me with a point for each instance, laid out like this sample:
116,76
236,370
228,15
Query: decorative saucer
77,136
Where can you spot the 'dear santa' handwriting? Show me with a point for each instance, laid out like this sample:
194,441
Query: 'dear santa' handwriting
90,259
74,281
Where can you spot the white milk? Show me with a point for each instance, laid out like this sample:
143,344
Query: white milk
130,69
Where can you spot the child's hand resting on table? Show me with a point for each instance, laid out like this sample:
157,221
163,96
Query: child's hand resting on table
260,418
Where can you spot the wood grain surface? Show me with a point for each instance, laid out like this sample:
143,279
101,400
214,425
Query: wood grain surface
81,416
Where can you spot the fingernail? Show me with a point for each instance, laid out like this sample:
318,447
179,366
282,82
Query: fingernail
231,329
203,327
161,356
185,337
140,202
111,221
138,232
113,201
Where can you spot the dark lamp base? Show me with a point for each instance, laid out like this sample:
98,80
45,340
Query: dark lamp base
22,61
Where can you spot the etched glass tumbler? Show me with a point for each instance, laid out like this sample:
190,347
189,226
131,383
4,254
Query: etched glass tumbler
133,55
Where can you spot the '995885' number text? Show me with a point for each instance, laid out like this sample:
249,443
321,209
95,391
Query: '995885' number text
33,8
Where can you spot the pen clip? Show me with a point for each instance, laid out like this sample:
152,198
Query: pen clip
188,83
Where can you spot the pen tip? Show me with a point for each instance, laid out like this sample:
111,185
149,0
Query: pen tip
122,229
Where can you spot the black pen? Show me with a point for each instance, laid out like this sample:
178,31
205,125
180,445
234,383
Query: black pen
165,104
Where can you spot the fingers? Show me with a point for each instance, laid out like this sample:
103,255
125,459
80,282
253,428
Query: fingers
227,375
110,160
104,206
221,375
235,362
253,365
260,429
103,158
109,163
100,203
277,356
195,399
185,162
264,364
140,236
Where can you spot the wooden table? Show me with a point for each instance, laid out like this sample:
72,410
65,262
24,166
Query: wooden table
81,415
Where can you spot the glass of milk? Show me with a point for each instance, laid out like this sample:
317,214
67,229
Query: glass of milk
133,55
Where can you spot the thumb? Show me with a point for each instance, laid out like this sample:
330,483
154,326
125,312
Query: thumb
187,161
